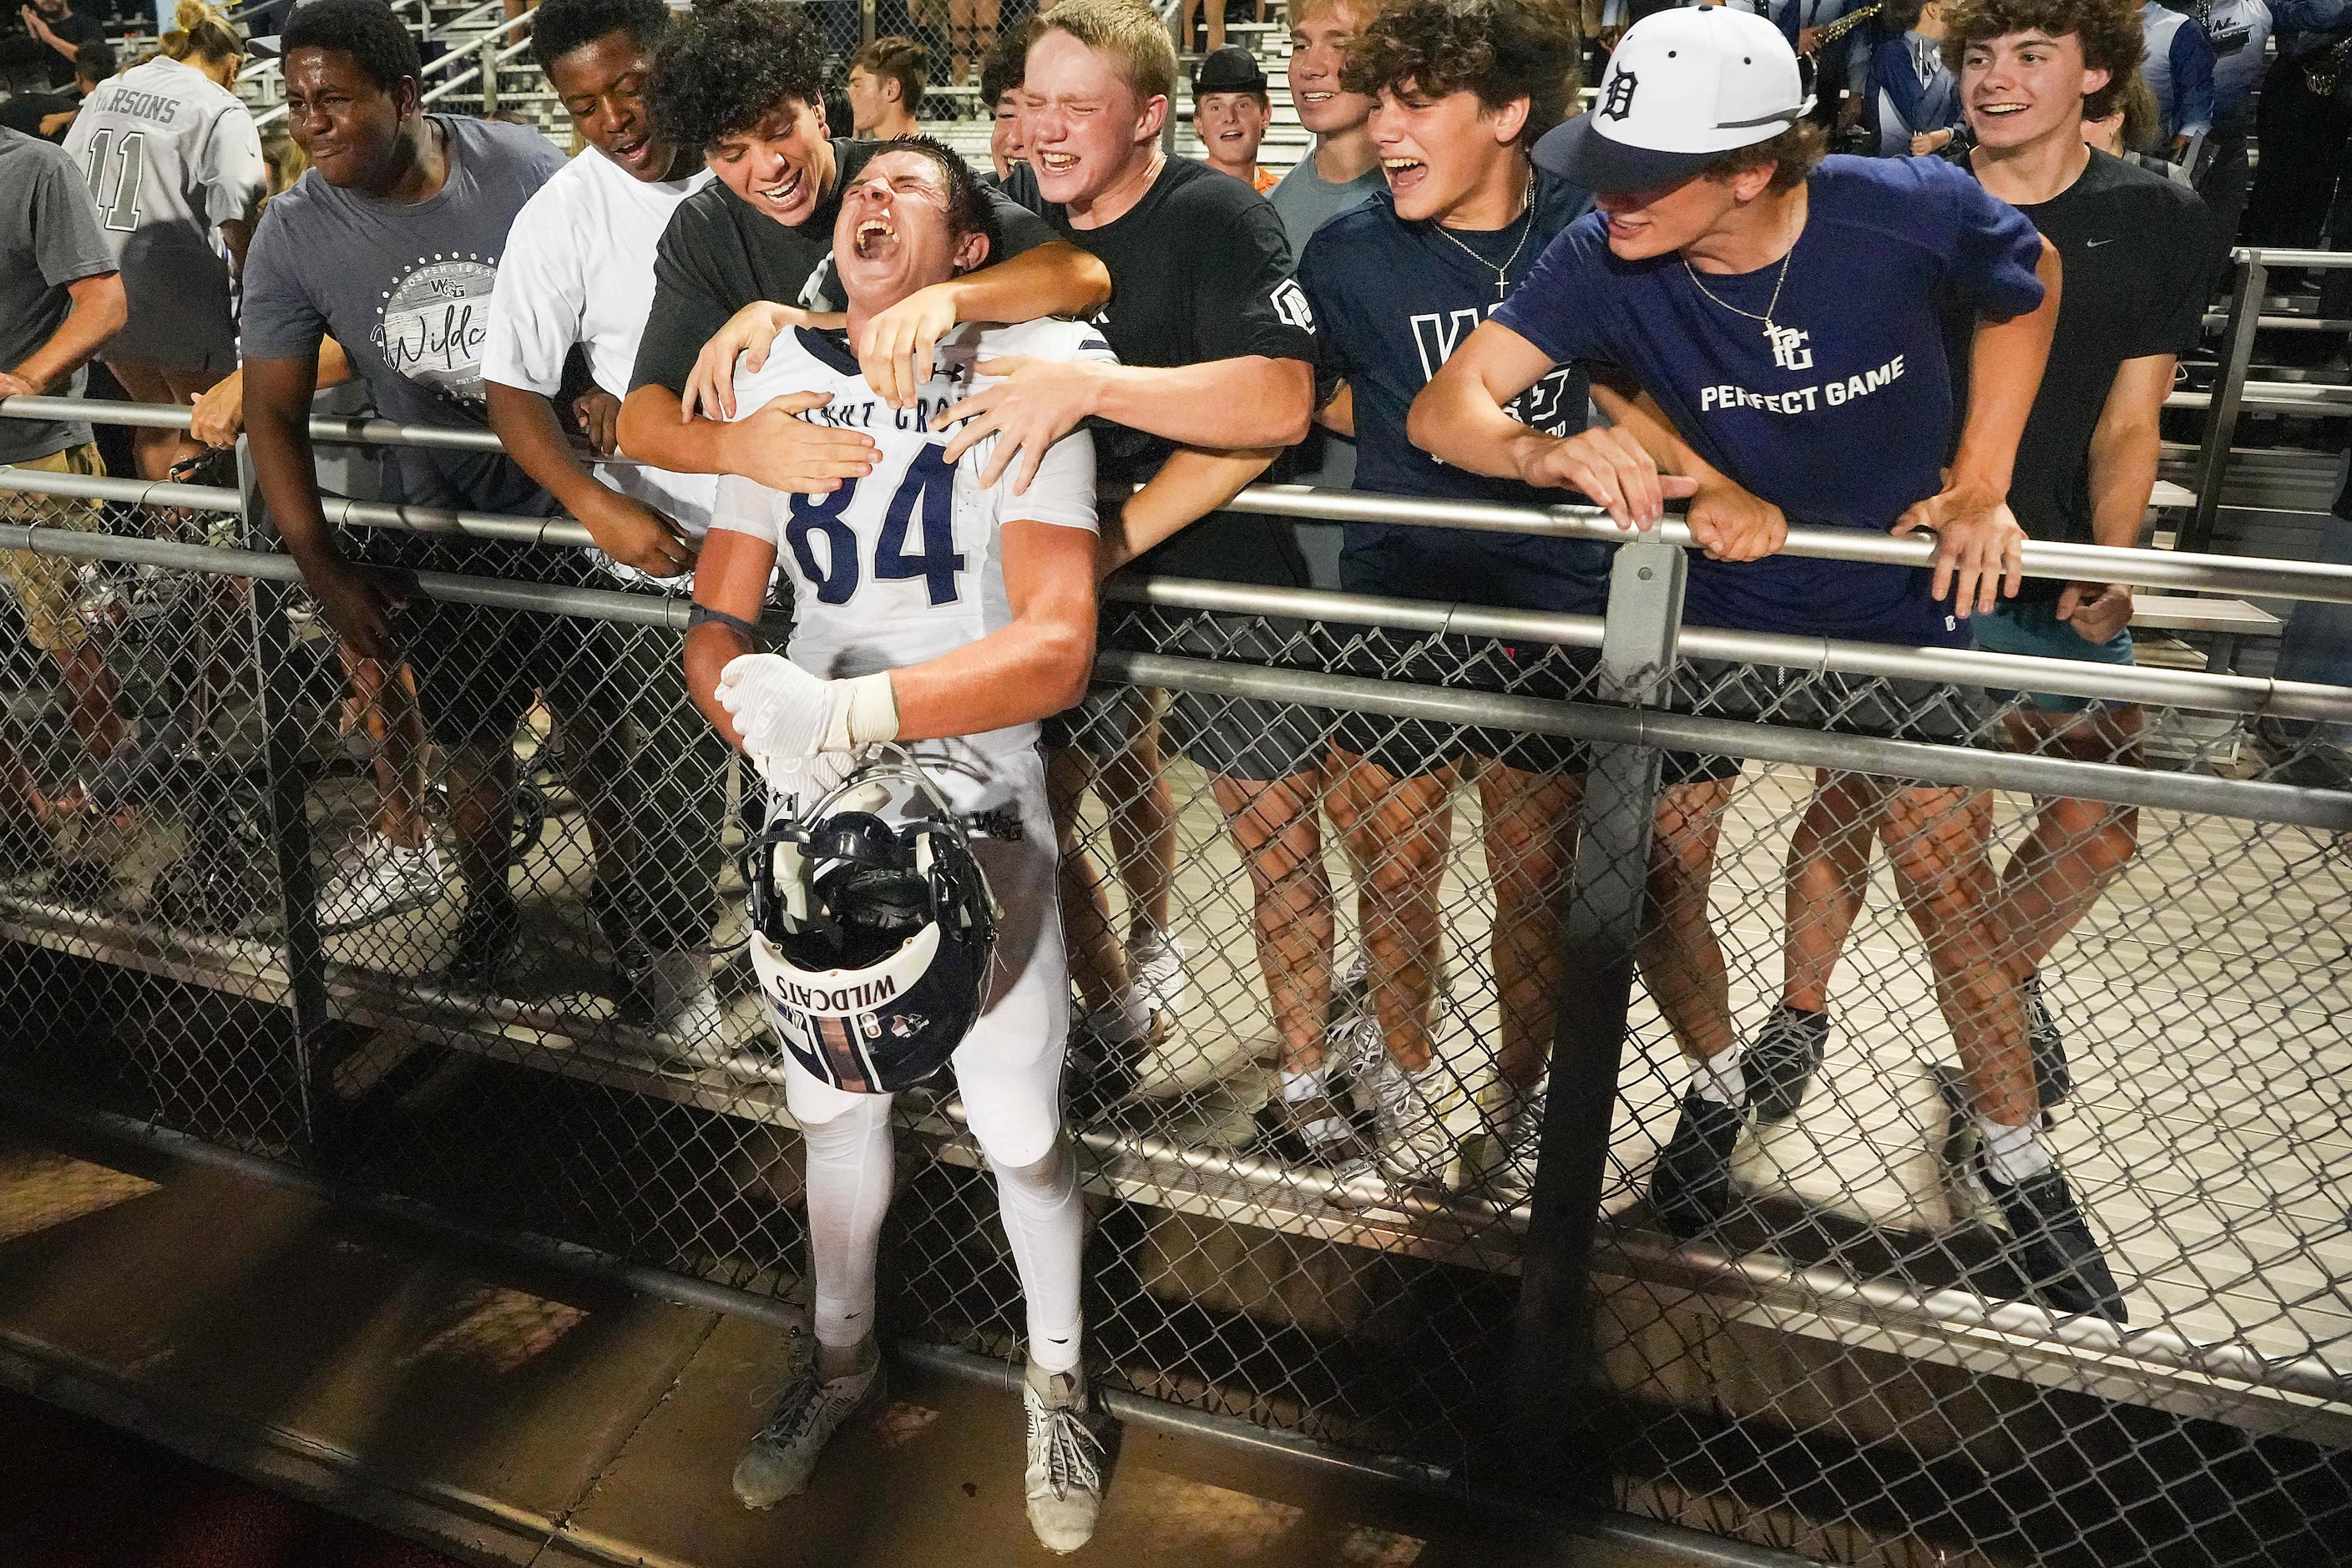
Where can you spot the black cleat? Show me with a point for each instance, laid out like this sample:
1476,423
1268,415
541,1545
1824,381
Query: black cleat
1781,1060
1690,1186
487,934
2052,1245
2052,1079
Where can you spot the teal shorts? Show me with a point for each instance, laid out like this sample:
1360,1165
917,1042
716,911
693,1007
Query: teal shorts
2034,628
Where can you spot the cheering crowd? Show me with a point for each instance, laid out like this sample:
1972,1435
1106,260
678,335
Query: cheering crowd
924,408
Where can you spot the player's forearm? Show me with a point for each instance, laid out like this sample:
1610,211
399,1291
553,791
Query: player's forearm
236,238
1056,279
1226,405
99,312
651,432
526,426
2005,363
708,648
1189,485
334,365
1016,674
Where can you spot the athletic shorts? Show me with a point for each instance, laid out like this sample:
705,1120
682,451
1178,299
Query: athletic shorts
1229,737
1832,701
47,588
479,669
1406,748
2019,626
181,316
1009,1067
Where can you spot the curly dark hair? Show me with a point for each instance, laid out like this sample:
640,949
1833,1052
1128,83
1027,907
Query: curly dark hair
720,72
2108,30
1499,49
969,208
1006,65
364,29
561,27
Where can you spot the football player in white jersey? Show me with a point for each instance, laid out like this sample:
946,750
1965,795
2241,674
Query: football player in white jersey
936,612
174,164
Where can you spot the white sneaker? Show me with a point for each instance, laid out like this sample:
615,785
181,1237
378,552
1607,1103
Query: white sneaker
1063,1479
681,1005
1161,983
1413,1144
782,1454
373,878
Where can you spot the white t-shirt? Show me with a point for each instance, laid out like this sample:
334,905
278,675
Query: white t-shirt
906,564
170,155
579,269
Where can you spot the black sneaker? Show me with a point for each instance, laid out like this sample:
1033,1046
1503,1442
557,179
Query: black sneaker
1690,1186
2052,1245
2052,1079
487,933
1781,1060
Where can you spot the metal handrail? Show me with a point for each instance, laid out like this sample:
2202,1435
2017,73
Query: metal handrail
468,46
2069,562
2248,696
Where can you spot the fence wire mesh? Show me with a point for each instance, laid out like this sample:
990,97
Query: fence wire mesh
508,858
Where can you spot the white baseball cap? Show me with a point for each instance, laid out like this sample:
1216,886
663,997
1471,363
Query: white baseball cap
1683,88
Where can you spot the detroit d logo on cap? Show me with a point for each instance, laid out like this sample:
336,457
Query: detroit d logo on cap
1617,96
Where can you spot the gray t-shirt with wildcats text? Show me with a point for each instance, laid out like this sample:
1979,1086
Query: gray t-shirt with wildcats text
405,288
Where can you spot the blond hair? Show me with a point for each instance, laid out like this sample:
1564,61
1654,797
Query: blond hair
203,32
1129,32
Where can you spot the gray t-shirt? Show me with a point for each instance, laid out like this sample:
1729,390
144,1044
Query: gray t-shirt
1305,200
48,238
405,288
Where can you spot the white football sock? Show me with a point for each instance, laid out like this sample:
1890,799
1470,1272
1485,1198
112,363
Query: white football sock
849,1162
1720,1079
1045,1221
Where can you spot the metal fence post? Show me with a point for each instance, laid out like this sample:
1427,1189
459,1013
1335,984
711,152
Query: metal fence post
2228,393
865,22
286,776
1551,1359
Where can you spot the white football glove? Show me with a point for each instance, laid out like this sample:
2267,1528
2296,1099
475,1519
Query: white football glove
786,715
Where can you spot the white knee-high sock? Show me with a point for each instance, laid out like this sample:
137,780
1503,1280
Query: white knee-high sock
850,1160
1045,1221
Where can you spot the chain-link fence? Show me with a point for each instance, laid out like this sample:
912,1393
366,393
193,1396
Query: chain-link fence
464,927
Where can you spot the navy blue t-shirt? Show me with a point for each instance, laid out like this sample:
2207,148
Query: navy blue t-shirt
1846,417
1392,300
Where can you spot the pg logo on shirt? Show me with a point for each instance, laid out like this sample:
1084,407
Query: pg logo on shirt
1289,301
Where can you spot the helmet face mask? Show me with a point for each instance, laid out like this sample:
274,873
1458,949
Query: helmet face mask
871,942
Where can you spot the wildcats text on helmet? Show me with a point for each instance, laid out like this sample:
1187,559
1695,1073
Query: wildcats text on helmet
834,1001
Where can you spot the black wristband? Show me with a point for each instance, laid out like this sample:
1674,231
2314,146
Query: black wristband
701,613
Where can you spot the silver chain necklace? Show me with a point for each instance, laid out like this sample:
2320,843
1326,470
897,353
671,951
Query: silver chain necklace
1503,273
1770,331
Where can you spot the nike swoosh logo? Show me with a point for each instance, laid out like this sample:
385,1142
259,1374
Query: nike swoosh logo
2095,244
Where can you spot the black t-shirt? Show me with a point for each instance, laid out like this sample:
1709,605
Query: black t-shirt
1200,270
26,112
81,28
720,254
2137,263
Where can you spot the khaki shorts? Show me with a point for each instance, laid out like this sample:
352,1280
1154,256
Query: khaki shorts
48,588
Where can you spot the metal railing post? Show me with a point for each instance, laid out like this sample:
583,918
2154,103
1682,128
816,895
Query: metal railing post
286,777
865,22
1551,1362
489,47
2228,393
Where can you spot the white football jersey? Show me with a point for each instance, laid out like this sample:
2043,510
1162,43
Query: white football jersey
906,564
169,154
